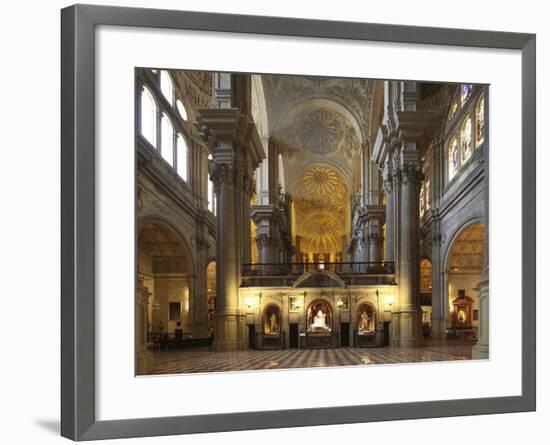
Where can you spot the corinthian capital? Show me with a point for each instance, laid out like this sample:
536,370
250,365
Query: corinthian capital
222,175
411,173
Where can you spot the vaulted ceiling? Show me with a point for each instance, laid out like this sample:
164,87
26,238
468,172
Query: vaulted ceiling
319,120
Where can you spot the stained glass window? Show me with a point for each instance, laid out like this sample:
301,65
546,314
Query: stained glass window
148,117
427,187
480,121
466,139
167,86
454,107
453,158
465,90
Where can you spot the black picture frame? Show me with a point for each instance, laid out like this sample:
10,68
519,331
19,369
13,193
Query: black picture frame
78,23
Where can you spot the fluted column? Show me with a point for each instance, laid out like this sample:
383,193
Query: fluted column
481,349
407,314
247,185
390,238
144,358
228,319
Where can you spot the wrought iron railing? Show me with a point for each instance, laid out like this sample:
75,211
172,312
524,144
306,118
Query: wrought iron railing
285,269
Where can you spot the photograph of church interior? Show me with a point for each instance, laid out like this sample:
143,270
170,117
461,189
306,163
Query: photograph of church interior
289,221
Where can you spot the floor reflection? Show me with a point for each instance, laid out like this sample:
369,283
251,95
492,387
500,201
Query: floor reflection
203,360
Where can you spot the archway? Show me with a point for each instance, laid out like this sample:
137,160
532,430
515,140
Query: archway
164,266
463,267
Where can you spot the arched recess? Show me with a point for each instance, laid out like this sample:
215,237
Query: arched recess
211,295
165,265
366,318
319,317
271,319
464,263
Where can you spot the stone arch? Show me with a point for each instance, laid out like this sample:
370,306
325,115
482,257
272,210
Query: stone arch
165,268
463,265
458,229
258,105
319,278
169,225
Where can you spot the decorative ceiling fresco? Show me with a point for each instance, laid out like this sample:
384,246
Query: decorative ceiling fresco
467,251
316,119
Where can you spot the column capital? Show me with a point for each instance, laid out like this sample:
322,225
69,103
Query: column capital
222,175
411,172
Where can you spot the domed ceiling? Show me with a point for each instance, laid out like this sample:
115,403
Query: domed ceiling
321,205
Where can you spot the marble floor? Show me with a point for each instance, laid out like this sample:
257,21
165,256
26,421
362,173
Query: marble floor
203,360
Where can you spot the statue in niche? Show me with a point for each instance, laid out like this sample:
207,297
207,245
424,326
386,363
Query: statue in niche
364,325
273,326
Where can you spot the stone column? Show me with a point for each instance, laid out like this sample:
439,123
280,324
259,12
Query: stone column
266,219
440,310
407,315
144,358
248,188
481,349
375,221
228,319
390,238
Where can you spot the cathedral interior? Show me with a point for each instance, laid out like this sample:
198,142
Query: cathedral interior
295,221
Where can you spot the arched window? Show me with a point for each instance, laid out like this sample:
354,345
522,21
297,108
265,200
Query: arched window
454,107
167,140
181,110
148,117
422,201
480,121
465,90
182,154
211,197
453,158
466,139
211,193
167,86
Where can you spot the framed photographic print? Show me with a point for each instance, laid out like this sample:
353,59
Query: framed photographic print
253,203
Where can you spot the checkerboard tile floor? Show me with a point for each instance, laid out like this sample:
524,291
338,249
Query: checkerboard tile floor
192,361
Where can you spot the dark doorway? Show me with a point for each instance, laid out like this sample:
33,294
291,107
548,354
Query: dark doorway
344,335
251,336
386,341
293,335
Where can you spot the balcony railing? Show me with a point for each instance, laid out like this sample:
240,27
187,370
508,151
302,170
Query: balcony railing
296,269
